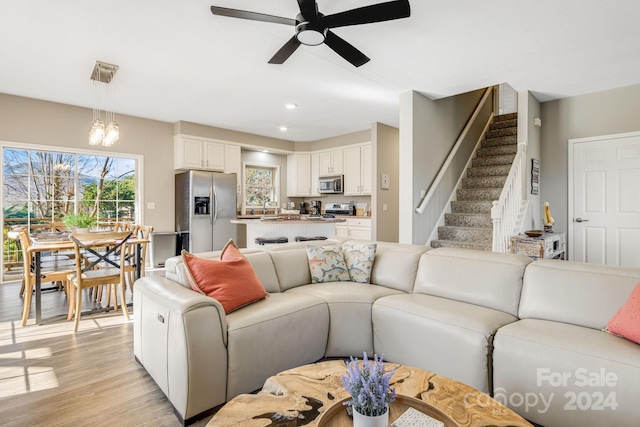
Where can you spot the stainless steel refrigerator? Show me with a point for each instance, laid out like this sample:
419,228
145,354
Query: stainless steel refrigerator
205,206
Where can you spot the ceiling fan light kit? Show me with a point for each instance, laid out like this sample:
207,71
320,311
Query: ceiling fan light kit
312,28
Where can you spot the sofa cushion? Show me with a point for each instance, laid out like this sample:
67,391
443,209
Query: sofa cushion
230,280
359,259
272,335
626,322
259,259
489,279
350,331
569,375
326,264
574,292
448,337
395,265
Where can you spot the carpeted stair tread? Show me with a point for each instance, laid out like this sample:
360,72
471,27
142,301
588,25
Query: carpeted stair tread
511,123
503,117
479,194
466,234
497,151
459,244
499,140
471,206
502,132
468,220
506,159
494,181
496,170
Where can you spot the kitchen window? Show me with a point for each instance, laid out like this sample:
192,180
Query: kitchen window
260,184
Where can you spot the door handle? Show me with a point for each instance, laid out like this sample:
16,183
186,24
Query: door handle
581,220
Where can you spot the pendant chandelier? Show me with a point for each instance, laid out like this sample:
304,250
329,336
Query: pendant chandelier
99,134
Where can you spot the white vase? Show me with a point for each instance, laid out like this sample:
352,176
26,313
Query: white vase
360,420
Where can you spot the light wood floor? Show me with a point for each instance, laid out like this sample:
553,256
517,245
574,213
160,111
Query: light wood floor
50,376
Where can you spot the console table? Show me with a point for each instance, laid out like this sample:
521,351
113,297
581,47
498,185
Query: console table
549,246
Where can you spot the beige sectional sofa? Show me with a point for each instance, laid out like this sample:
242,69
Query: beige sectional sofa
497,322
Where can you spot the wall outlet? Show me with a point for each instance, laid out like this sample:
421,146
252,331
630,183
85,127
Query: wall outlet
385,207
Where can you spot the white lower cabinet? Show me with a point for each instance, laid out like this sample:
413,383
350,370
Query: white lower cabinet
354,228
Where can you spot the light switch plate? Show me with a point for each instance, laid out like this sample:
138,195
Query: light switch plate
384,181
151,205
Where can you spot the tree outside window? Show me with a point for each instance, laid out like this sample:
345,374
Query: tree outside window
259,185
41,187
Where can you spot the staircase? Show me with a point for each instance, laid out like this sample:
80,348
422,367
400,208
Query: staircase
469,224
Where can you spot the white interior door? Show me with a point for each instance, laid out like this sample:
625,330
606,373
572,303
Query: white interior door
604,218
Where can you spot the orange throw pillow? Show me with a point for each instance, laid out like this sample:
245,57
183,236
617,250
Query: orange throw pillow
230,280
626,322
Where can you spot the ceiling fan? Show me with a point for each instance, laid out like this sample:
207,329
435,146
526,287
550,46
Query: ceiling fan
312,28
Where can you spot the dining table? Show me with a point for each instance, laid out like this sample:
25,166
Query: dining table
59,241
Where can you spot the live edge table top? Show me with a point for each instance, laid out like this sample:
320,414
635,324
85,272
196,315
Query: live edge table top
300,395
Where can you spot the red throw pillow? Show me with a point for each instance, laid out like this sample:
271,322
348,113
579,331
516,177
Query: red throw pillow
230,280
626,322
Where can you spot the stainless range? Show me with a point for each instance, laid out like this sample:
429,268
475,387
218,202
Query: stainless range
339,209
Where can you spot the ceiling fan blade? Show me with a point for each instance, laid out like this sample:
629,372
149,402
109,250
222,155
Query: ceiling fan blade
253,16
309,9
369,14
285,51
345,49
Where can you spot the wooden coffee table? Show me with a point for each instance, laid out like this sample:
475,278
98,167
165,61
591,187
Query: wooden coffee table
301,396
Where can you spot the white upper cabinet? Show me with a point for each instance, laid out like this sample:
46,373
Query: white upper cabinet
299,175
357,174
331,162
233,164
198,153
315,174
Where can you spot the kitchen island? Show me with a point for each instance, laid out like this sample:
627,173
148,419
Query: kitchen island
270,228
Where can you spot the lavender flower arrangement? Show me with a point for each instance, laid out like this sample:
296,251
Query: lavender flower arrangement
369,386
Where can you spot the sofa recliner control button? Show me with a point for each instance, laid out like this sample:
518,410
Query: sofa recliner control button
160,318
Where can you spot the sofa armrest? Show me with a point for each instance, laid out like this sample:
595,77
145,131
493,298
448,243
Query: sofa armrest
180,338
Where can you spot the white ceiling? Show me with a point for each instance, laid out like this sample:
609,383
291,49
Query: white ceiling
179,62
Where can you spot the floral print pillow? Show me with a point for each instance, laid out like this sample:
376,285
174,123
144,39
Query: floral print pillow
359,259
327,264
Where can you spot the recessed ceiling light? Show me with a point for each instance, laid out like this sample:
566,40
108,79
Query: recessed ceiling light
290,106
283,128
265,151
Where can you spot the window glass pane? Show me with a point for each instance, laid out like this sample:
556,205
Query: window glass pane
259,185
41,187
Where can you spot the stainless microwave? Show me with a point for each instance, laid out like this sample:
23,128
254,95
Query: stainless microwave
330,185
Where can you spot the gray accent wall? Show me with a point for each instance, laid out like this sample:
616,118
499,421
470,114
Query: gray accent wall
385,148
428,131
602,113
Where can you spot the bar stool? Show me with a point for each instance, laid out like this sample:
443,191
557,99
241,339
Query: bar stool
309,239
270,240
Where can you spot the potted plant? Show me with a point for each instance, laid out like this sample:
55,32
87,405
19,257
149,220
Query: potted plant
80,222
370,390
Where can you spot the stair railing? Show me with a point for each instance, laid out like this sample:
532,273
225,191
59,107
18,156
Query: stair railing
505,212
452,154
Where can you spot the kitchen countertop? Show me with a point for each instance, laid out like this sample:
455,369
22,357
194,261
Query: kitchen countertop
303,220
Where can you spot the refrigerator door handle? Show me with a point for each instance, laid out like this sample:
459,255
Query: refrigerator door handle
211,198
215,205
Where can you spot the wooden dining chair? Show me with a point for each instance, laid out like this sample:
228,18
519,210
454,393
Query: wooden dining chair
51,270
108,271
142,232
